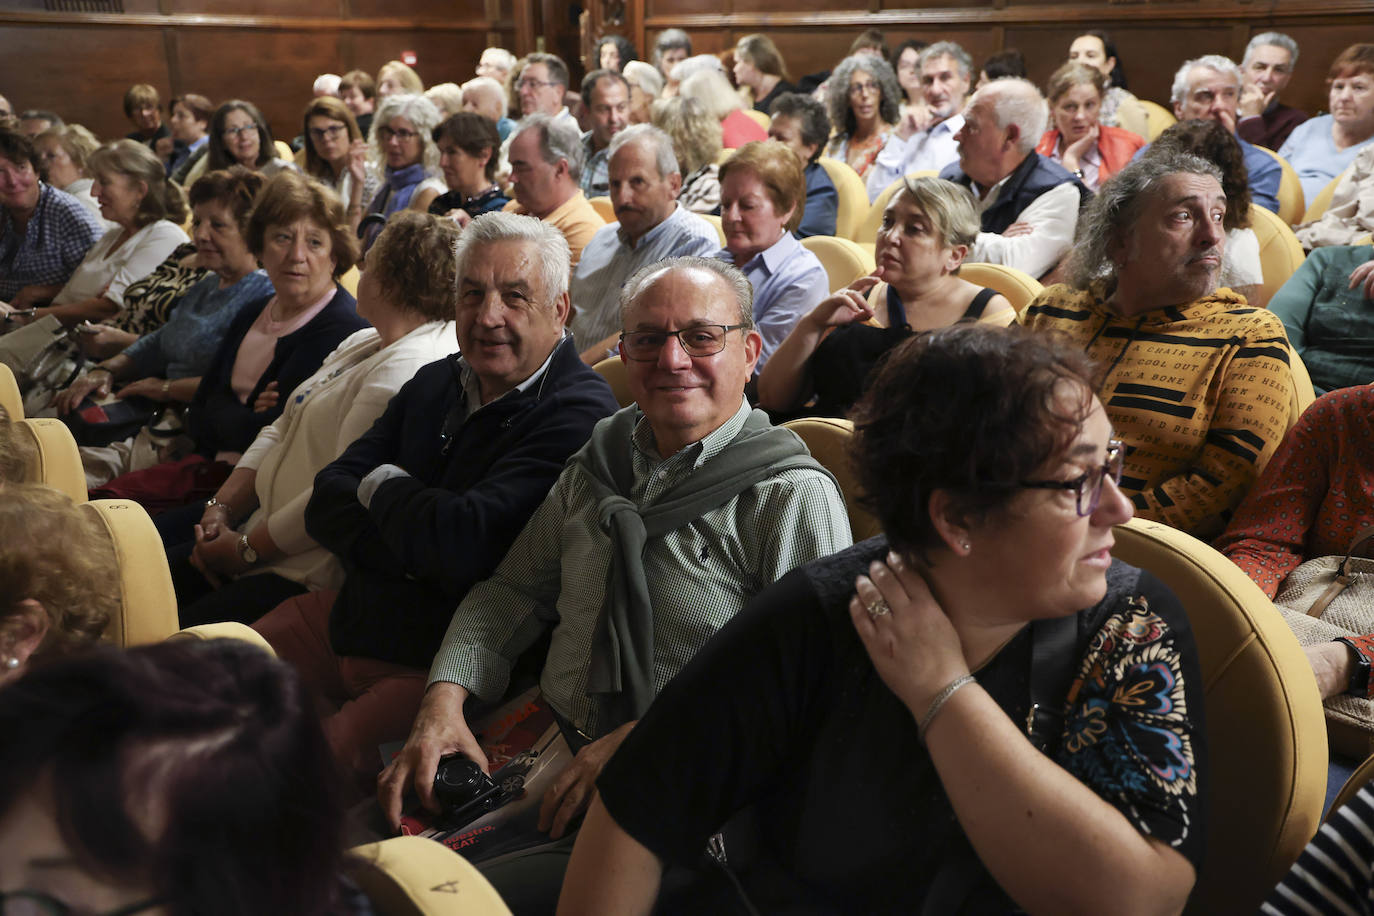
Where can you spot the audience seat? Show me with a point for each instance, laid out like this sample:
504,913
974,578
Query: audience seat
1158,119
414,876
349,281
148,603
853,196
612,369
1322,202
1280,251
715,222
10,398
603,208
1291,202
762,118
1357,781
725,153
844,261
58,461
828,439
867,233
284,150
1266,734
1018,286
228,629
1303,392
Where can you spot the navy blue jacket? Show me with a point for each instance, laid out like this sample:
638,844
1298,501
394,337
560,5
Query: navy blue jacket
1034,176
411,556
217,422
822,203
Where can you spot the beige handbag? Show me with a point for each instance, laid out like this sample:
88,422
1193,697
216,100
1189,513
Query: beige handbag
44,360
1326,599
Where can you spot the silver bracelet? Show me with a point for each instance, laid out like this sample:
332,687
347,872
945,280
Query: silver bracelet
940,700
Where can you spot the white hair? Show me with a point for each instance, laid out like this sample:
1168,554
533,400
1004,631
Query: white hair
645,76
420,112
327,84
657,141
500,58
685,68
557,140
1016,101
712,90
447,97
554,258
1275,39
487,84
1211,62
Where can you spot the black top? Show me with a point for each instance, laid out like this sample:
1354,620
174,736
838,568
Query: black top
847,357
782,717
767,101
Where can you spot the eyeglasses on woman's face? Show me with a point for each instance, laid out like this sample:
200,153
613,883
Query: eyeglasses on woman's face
233,132
1087,487
330,132
389,133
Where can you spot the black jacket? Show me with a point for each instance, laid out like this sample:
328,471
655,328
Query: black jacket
1034,176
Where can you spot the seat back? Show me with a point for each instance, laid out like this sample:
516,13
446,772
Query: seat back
853,196
1158,119
1303,392
867,233
603,208
148,603
1266,735
1319,204
1018,286
349,280
828,439
762,118
57,460
415,876
844,261
10,398
1291,202
228,629
612,369
1357,781
284,150
715,224
1280,251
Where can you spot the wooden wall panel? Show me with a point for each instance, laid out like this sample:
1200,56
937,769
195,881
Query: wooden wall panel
443,57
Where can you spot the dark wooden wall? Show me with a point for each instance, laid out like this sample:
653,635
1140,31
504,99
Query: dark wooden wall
1153,36
268,51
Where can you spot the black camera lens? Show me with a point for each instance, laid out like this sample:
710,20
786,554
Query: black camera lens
459,781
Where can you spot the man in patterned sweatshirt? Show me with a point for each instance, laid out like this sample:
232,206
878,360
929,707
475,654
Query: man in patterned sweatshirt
1196,382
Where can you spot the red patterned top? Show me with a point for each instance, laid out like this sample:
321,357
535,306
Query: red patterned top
1314,496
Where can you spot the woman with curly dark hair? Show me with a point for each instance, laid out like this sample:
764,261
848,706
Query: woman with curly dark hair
864,102
613,52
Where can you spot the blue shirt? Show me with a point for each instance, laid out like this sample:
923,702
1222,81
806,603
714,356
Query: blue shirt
1265,174
609,260
60,232
1312,153
822,203
788,282
184,346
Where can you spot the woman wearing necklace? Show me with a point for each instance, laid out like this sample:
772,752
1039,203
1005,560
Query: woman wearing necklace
927,229
468,144
863,98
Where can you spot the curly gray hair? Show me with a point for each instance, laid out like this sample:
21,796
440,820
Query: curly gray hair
837,91
1116,208
1209,61
423,115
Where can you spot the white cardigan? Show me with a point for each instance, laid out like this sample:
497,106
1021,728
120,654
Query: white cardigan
323,416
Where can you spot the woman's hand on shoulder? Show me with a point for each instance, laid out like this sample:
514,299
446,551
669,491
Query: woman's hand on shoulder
912,644
846,306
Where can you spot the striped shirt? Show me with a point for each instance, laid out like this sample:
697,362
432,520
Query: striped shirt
596,168
1335,873
1201,395
699,576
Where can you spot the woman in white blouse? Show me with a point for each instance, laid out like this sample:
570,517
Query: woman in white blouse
408,293
133,191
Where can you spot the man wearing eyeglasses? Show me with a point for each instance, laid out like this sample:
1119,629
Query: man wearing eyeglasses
1196,382
542,84
657,533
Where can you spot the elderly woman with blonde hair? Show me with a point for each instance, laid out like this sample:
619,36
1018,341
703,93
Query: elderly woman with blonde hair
646,84
396,78
64,152
696,143
713,90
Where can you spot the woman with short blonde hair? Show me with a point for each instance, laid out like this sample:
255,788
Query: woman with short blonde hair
696,143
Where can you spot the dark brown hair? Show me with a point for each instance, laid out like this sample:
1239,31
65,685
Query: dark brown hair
473,134
236,187
326,106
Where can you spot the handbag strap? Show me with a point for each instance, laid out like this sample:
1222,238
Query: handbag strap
1357,542
1343,576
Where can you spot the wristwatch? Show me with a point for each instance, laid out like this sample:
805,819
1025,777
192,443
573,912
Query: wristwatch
1363,647
250,556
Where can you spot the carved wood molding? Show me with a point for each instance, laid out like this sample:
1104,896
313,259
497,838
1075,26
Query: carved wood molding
1047,15
274,23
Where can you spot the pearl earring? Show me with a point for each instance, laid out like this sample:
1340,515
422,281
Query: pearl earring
11,662
966,545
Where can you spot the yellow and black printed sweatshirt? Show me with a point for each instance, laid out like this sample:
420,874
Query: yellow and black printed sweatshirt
1200,394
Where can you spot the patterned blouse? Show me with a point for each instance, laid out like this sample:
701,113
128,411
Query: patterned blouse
149,302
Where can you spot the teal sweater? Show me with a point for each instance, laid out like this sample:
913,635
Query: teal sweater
1330,325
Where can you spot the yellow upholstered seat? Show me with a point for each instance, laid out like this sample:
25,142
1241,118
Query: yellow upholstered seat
1303,393
1319,204
844,261
828,439
349,281
612,369
762,118
1018,286
1357,781
148,603
1158,119
284,150
1291,202
228,629
867,232
57,461
414,876
1266,735
10,398
1280,251
716,224
603,208
852,196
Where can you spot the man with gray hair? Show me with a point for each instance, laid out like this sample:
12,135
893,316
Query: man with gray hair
545,165
650,226
426,502
1027,203
1267,67
1198,385
946,73
680,508
1209,88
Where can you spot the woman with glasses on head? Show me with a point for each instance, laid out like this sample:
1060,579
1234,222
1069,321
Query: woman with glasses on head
979,711
863,99
336,154
405,155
